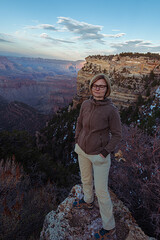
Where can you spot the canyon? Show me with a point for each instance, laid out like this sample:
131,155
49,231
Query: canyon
49,85
37,83
33,89
44,84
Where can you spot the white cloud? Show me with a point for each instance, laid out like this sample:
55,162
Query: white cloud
56,40
114,36
78,27
82,31
135,46
43,26
85,31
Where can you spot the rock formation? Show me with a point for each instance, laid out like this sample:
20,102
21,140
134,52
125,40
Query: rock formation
127,74
67,223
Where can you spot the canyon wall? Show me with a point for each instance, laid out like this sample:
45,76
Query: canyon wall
47,95
130,76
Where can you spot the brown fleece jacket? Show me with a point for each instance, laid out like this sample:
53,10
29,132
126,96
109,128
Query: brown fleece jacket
98,128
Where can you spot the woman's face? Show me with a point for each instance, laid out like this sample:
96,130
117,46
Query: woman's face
99,89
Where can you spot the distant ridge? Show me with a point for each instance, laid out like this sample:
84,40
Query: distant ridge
20,116
45,84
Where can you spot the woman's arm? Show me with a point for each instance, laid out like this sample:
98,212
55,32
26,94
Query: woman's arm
116,132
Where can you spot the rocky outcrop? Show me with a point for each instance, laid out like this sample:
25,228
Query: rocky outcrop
129,76
67,223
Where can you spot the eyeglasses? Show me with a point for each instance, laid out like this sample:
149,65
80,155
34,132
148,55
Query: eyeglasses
99,87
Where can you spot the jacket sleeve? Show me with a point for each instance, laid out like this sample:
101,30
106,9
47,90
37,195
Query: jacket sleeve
79,124
116,132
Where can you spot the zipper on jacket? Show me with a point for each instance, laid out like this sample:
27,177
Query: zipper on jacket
93,108
91,117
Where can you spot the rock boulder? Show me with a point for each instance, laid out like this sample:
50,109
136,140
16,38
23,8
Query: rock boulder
67,223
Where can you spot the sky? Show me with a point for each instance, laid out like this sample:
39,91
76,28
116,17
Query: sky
73,30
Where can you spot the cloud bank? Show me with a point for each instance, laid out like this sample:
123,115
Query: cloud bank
74,38
85,31
135,46
81,30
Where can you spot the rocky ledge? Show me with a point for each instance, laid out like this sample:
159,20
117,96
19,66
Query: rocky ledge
67,223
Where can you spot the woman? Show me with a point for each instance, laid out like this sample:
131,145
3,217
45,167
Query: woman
98,131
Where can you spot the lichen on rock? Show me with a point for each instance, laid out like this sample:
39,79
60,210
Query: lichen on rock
68,223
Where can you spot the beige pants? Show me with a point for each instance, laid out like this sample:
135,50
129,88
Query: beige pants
95,165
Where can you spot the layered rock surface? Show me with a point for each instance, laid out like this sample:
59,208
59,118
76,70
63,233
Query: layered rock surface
127,76
67,223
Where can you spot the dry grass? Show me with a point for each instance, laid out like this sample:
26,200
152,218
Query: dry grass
136,181
23,206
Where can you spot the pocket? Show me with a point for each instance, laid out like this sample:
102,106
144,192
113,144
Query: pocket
77,149
98,160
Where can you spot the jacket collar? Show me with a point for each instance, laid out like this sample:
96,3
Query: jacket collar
105,101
